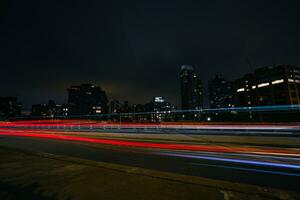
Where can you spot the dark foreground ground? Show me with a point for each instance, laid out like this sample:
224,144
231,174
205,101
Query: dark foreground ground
49,169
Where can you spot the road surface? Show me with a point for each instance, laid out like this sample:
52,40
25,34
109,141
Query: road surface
278,170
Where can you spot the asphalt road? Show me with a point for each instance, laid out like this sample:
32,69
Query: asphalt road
280,172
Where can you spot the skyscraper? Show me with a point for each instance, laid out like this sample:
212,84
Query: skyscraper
191,89
243,93
160,108
158,104
87,99
220,93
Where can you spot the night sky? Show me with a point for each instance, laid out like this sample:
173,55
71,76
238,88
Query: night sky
134,49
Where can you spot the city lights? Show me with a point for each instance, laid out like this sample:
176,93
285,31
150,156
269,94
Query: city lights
263,85
150,100
277,81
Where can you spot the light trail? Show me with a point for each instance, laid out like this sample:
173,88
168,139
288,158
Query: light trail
235,160
117,142
250,156
250,169
171,146
87,124
199,111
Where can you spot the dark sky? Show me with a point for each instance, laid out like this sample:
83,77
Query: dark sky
134,49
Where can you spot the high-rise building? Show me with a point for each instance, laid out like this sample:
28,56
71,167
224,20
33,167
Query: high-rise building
220,93
158,104
10,107
279,85
243,92
159,107
87,99
191,89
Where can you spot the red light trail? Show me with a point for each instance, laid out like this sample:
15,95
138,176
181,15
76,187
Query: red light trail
52,129
170,146
95,124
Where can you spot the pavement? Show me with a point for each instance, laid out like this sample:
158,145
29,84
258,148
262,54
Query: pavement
26,174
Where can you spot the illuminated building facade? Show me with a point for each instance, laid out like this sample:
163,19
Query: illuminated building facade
270,85
220,93
160,104
87,99
160,107
191,89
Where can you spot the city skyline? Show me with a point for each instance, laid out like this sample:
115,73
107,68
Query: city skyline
205,90
127,48
269,85
150,99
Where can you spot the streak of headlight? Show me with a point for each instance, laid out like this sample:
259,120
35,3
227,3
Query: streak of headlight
248,169
260,163
28,133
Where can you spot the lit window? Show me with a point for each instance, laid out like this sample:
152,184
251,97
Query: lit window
263,85
253,86
241,90
277,81
291,80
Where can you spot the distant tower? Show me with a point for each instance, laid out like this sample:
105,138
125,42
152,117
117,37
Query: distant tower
191,89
